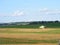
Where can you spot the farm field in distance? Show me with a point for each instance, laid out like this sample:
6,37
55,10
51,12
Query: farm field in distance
30,36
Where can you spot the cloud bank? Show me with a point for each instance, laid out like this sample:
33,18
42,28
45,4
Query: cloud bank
47,11
18,13
15,13
43,11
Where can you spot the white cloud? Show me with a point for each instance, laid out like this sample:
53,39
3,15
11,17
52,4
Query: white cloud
44,9
47,11
18,13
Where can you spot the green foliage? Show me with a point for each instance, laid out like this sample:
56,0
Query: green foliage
48,25
20,26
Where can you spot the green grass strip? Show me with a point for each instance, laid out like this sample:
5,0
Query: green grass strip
24,41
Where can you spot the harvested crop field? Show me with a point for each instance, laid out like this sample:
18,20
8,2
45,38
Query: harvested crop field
32,36
28,30
31,44
19,36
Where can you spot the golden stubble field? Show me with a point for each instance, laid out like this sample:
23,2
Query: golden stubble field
31,44
29,35
27,30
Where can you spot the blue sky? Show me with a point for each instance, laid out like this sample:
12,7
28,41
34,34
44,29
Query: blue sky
29,10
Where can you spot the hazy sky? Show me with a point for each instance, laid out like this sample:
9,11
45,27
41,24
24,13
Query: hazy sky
29,10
